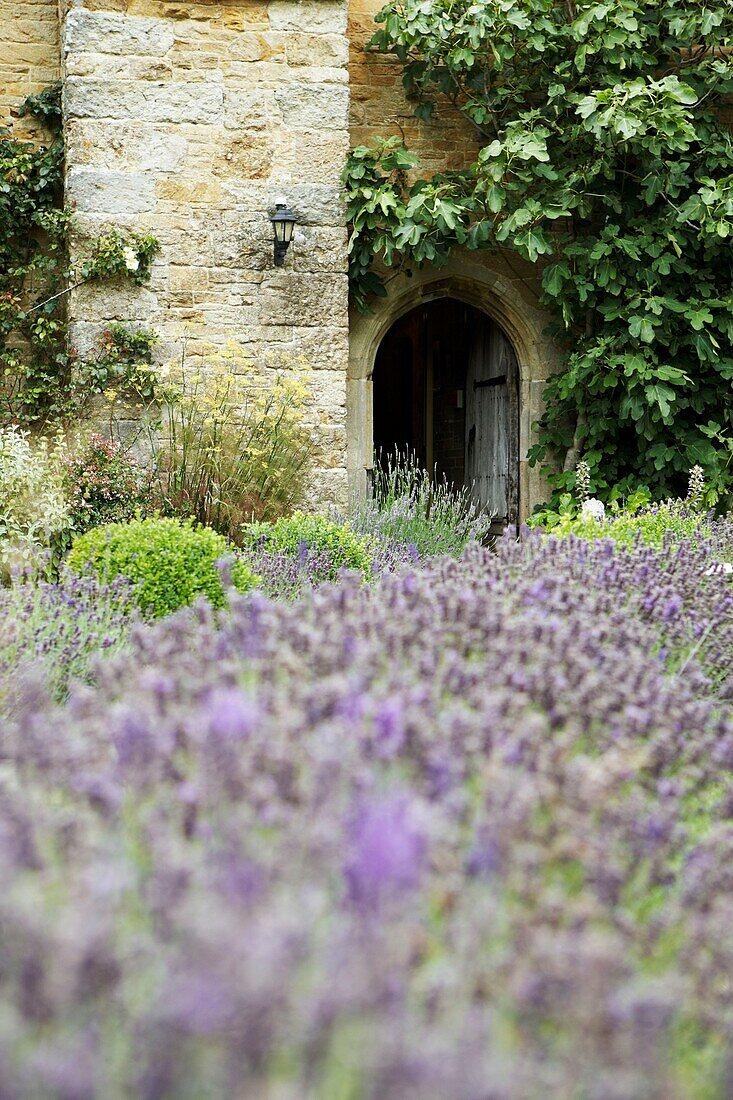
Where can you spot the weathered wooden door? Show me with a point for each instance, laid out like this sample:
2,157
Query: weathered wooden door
492,425
445,390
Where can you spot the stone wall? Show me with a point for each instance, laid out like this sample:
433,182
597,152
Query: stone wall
29,58
191,121
379,105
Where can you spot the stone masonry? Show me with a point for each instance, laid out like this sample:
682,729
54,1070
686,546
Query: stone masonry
190,121
29,57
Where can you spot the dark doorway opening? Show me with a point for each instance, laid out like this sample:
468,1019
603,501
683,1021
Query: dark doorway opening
446,390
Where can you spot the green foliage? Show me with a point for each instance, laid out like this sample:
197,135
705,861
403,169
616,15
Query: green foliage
604,157
169,562
229,442
408,507
34,512
32,266
120,255
338,545
667,522
103,483
39,376
121,362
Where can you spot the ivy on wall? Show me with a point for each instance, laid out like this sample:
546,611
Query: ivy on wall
41,378
605,159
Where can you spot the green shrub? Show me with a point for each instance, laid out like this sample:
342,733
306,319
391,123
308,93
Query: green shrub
104,483
665,522
34,512
336,545
231,442
169,562
656,524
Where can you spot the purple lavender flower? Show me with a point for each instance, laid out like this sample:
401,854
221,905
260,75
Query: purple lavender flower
232,714
387,847
462,831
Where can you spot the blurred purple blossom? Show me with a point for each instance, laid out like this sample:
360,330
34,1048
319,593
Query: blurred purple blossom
466,832
386,850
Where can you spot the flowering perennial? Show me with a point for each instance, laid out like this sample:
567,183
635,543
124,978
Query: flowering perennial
464,833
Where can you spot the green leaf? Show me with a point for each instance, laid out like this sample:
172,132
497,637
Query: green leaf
554,278
698,318
641,328
495,198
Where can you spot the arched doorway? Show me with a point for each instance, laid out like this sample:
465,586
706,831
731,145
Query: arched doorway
446,388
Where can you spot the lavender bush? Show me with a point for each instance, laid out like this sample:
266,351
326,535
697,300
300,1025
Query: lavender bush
463,833
412,511
284,575
54,632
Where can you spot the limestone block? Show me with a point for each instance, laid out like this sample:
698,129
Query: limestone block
319,249
296,299
319,74
328,391
249,156
262,74
183,235
114,302
329,490
250,110
242,239
115,33
535,400
118,68
110,193
312,155
29,54
257,47
188,278
265,343
314,107
311,16
153,101
314,204
133,146
317,204
191,65
244,15
326,348
181,190
359,420
327,50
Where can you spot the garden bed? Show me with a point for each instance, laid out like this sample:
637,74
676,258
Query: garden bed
461,831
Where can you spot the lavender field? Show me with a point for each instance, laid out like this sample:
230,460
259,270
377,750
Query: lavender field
465,833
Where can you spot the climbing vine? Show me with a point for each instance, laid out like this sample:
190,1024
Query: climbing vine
606,161
41,379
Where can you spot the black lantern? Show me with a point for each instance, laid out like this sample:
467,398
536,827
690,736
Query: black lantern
283,223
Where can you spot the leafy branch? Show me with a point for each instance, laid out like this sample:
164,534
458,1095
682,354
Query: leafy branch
605,163
37,369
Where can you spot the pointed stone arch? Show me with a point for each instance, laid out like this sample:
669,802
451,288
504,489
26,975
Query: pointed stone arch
508,297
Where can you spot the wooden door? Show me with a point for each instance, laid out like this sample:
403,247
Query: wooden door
492,426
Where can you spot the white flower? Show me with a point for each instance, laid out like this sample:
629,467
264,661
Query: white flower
132,263
593,509
719,568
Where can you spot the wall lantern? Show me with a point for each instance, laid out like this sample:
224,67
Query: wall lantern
283,223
